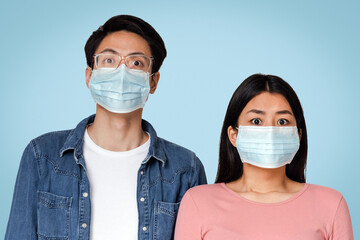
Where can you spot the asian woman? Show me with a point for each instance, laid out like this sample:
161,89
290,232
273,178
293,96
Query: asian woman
260,190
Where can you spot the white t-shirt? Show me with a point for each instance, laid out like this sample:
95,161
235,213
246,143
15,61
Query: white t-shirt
113,187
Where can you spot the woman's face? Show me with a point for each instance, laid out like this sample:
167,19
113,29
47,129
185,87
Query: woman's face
267,109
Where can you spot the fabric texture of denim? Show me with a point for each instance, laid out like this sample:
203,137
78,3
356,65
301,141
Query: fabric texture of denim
52,191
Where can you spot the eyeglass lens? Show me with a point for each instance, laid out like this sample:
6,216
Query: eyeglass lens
136,61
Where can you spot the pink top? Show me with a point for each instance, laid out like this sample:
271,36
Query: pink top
214,212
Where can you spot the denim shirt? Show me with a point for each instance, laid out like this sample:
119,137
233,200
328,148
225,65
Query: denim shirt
52,191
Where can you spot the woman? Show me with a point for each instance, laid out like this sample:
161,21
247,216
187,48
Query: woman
260,191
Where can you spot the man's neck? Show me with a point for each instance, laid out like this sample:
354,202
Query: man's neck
117,132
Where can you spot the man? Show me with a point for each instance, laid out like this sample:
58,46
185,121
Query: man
111,177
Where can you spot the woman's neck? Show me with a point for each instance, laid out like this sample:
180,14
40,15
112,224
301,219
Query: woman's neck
117,132
265,185
262,180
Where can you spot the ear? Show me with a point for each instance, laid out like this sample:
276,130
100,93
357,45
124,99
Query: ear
300,134
154,80
88,72
232,134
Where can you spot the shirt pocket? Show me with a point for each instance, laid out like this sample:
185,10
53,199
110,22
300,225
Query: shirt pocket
164,220
53,216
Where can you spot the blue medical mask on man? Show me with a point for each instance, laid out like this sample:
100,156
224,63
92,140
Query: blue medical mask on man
120,90
267,147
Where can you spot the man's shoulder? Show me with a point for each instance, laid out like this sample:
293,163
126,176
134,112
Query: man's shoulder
56,141
52,137
166,149
170,146
50,143
177,154
175,149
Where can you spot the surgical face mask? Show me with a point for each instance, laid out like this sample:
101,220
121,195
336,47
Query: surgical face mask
267,147
120,90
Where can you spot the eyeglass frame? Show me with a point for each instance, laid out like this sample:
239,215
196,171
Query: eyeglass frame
124,58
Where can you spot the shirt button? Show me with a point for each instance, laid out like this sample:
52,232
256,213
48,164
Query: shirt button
142,199
84,225
85,194
142,172
144,229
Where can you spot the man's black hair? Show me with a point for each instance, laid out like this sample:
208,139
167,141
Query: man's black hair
130,24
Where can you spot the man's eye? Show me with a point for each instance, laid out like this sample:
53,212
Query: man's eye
283,121
256,121
137,63
109,60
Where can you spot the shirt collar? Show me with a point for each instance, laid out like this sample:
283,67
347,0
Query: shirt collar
75,141
155,149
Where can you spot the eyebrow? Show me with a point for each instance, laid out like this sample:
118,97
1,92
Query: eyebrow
284,112
110,50
256,111
263,113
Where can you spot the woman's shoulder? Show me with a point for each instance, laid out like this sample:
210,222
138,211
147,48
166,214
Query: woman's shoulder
205,191
329,205
321,193
206,188
204,197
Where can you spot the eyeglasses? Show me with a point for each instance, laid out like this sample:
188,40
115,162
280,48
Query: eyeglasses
132,61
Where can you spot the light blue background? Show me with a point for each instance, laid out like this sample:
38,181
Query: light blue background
212,47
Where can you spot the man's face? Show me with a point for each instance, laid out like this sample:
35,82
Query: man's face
124,43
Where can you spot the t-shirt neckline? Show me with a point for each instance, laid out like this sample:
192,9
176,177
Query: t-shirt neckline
102,151
292,198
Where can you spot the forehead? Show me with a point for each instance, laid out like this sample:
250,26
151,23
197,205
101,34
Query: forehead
268,102
124,43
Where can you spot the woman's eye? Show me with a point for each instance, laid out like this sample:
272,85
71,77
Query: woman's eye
283,121
256,121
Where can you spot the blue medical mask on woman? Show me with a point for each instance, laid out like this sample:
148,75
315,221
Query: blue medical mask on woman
120,90
267,147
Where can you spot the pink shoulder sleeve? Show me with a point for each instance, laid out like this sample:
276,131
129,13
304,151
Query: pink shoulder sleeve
342,228
188,225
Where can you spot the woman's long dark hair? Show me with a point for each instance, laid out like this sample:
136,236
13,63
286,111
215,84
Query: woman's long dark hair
230,167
